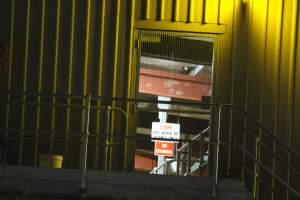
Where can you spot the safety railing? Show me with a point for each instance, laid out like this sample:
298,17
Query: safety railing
186,151
103,110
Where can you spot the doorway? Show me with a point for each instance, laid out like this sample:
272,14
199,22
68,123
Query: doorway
176,68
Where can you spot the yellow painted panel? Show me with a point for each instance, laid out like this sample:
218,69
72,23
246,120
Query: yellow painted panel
226,11
198,11
270,84
169,9
286,90
295,181
211,11
151,9
165,10
183,7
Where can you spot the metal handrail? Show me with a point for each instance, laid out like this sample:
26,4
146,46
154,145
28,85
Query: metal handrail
267,169
155,170
178,151
267,132
264,130
274,154
193,139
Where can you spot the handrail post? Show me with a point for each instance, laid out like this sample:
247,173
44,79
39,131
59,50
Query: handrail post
85,142
189,162
216,159
107,126
176,158
257,142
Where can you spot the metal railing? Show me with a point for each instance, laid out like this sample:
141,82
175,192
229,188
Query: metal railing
214,142
184,147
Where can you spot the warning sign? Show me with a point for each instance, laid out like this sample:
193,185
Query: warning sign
165,130
164,148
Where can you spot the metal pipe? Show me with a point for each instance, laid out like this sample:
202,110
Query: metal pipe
193,139
40,73
69,86
274,154
86,62
202,152
24,88
177,161
148,9
85,142
54,86
255,186
263,166
244,158
189,160
11,44
107,127
100,79
217,146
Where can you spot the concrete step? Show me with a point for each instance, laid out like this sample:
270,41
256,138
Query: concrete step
65,183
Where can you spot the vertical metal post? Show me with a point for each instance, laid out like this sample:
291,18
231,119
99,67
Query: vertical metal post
177,160
40,72
107,129
244,157
189,159
86,60
25,80
216,159
256,168
202,152
85,142
69,86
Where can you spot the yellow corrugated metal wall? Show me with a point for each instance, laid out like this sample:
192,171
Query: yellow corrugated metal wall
257,64
70,47
266,79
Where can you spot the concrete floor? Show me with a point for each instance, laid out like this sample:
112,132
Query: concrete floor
43,183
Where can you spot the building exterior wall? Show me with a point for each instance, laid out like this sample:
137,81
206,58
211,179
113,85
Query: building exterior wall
257,64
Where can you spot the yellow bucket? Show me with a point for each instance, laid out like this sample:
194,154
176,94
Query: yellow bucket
50,161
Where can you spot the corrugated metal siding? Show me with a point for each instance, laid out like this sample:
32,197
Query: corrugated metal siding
70,47
193,11
266,79
258,63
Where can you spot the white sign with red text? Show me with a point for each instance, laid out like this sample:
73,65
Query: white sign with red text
165,130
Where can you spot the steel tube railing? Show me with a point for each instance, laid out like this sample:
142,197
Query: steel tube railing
216,159
85,142
87,106
249,154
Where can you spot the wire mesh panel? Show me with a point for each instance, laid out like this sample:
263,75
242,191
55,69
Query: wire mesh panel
173,67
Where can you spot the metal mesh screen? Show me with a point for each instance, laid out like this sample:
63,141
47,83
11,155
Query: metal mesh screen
173,67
